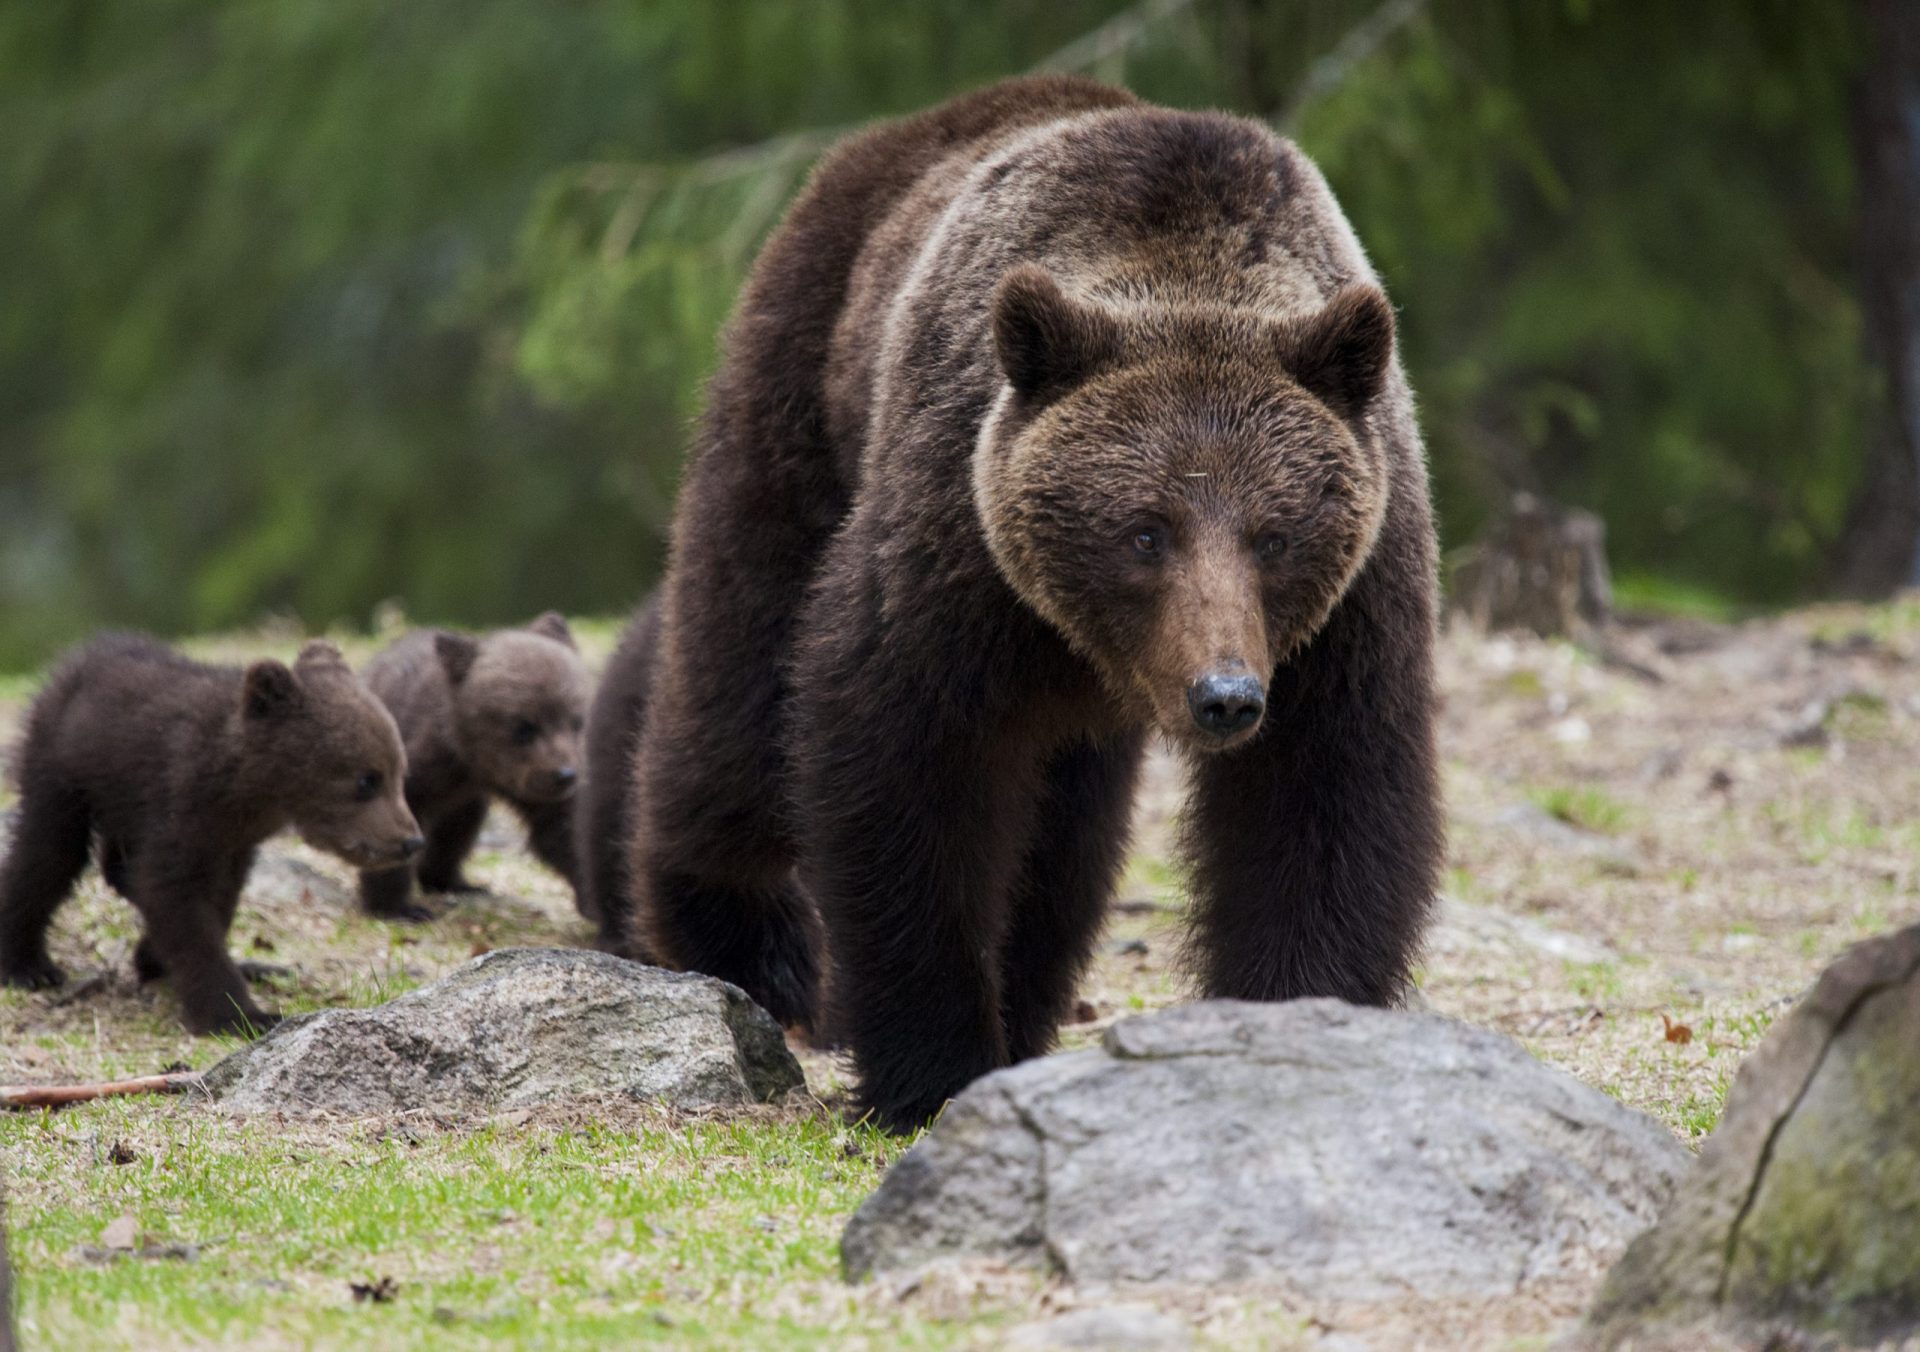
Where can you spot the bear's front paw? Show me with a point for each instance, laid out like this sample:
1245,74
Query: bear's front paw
405,913
457,885
34,974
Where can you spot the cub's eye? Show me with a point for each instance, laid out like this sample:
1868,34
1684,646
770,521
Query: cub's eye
1148,542
367,787
525,733
577,723
1270,547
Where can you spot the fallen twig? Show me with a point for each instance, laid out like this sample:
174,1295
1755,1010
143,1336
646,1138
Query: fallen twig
59,1095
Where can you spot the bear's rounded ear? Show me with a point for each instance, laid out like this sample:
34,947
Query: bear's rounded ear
553,625
1048,342
269,691
316,653
1340,355
457,653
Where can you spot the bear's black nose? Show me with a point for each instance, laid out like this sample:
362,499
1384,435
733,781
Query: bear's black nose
565,776
1225,703
412,845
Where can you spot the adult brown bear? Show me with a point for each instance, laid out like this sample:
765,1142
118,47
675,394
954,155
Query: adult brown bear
1048,417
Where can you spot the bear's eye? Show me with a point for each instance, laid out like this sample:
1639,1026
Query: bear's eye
367,786
577,723
524,732
1148,542
1270,546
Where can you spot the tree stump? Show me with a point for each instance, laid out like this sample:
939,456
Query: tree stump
1540,569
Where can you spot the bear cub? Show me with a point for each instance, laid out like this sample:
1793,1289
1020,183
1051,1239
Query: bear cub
495,716
171,772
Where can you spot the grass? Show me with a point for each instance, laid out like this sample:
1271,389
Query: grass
1584,806
560,1233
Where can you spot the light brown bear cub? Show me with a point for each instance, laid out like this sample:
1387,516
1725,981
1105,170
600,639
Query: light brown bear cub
173,772
498,716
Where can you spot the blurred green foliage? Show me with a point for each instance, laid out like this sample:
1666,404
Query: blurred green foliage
309,304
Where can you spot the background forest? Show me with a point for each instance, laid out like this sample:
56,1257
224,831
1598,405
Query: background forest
308,305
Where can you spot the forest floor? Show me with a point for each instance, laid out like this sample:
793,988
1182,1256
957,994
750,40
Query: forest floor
1651,857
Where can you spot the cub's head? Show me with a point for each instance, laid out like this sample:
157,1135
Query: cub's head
520,703
335,755
1183,493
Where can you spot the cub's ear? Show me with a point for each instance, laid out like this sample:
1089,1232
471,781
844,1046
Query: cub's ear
1340,355
317,653
553,625
270,690
457,653
1047,341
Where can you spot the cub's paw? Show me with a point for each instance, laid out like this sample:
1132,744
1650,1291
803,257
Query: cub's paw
457,885
35,974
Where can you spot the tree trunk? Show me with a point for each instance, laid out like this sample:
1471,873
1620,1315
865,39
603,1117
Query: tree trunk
1881,549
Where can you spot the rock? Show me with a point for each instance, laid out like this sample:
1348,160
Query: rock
1332,1152
515,1027
1461,928
1803,1217
1106,1328
1537,824
282,879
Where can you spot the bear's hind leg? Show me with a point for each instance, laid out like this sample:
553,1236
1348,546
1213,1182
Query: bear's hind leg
763,938
187,901
48,853
1060,899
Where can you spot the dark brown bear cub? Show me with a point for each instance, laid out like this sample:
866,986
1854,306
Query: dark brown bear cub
1047,418
493,717
175,771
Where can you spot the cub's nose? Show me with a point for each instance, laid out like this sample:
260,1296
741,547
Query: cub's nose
565,777
412,845
1225,703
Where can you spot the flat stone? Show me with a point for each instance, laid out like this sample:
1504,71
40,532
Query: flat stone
1802,1221
516,1027
1105,1328
1327,1151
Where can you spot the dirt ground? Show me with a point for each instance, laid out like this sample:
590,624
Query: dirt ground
1653,853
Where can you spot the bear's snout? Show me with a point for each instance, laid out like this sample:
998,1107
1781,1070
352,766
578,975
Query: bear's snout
1225,704
411,846
565,778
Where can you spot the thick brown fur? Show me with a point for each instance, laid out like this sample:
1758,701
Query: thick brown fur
499,716
1047,418
603,816
172,772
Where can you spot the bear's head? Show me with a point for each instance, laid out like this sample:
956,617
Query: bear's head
332,751
1183,492
519,706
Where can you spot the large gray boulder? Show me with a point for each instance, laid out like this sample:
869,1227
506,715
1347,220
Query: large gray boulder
1802,1221
1343,1154
516,1027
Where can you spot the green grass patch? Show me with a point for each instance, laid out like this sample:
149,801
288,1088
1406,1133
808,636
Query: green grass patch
570,1233
1651,594
1588,808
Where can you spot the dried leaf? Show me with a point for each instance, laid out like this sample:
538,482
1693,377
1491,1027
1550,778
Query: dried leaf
379,1292
121,1153
1677,1032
